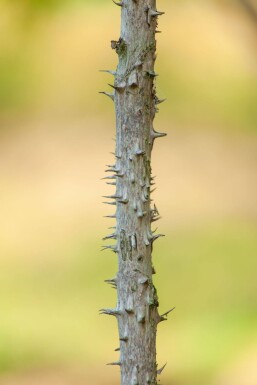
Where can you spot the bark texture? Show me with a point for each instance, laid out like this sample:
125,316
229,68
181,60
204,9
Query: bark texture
136,104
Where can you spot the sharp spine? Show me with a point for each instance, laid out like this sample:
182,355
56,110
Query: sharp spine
153,13
152,74
113,312
112,196
159,371
164,316
120,4
159,101
119,87
115,363
109,72
112,248
111,236
110,177
155,237
110,203
155,134
107,94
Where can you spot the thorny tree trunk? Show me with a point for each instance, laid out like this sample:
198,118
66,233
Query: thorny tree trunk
136,105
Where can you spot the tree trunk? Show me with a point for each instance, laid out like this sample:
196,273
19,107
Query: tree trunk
135,103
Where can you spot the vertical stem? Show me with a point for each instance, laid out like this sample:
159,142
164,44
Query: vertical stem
135,104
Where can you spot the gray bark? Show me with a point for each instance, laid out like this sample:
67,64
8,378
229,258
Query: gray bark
136,104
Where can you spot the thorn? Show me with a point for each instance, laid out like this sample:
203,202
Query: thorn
111,183
155,219
111,236
112,280
168,312
151,74
113,312
109,177
115,363
153,13
159,101
118,88
112,248
155,211
155,134
159,371
164,316
117,350
155,237
113,169
112,196
157,13
110,216
110,203
109,72
107,94
113,285
120,4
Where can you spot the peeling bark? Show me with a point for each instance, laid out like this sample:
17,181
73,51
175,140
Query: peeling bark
135,104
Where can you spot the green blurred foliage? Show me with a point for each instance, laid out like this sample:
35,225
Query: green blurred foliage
53,305
211,82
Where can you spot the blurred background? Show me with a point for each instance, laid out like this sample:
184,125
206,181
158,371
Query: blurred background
56,134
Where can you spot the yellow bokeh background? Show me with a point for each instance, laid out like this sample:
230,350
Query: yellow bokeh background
56,135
